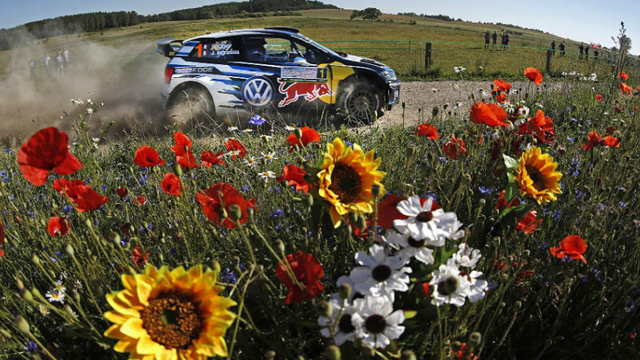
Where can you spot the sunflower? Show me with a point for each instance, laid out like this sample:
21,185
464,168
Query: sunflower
346,176
170,315
536,176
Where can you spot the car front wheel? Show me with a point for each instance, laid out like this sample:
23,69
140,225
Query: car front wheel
361,102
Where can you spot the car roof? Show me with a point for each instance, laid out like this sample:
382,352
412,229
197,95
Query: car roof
276,30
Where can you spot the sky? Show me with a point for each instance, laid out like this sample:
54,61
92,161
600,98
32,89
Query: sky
584,20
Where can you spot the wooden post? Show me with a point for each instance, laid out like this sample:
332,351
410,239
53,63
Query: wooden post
427,56
548,61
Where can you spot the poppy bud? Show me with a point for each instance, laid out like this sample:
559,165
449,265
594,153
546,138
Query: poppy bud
518,305
35,259
345,291
456,345
26,294
250,211
308,199
42,222
404,105
115,238
270,354
20,284
5,333
526,254
298,133
332,352
353,217
361,223
235,212
68,249
36,292
466,179
435,111
76,296
222,213
408,355
177,169
496,241
22,324
324,309
215,266
280,246
88,223
504,278
375,190
474,339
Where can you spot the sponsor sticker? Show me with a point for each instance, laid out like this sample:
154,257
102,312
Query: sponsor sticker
257,92
299,72
310,91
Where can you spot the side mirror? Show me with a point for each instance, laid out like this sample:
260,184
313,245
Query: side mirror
301,61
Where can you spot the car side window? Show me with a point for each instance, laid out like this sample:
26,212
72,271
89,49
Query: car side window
274,50
311,54
217,50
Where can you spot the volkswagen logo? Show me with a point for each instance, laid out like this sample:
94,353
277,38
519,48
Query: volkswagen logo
258,92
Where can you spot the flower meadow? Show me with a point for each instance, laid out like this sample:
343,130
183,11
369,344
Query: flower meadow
508,230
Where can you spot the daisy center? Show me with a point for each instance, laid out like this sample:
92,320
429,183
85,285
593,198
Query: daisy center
425,216
345,324
381,273
375,324
448,286
172,320
415,243
345,182
537,177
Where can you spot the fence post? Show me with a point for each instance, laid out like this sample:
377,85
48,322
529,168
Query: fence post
548,61
427,56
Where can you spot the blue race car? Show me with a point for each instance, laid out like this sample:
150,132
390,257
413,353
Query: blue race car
276,69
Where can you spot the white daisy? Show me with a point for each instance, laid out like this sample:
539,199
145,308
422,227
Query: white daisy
354,293
43,310
381,323
247,130
455,86
412,247
54,295
233,153
449,286
483,93
266,175
266,137
77,102
467,256
380,274
523,111
477,288
290,128
427,222
251,162
59,287
434,90
343,324
89,111
232,128
270,156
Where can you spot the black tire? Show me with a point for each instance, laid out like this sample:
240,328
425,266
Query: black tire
190,104
360,101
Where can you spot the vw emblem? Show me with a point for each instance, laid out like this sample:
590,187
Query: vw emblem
258,92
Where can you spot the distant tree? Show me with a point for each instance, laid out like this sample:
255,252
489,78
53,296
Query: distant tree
355,14
371,13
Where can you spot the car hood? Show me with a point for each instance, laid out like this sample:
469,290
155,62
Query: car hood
363,61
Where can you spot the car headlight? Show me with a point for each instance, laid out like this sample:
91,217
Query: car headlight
390,75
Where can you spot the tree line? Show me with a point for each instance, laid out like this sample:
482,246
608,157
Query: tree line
439,17
98,21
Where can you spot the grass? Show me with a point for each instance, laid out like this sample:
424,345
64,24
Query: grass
536,306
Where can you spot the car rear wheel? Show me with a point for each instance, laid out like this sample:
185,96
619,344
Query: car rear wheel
361,102
190,104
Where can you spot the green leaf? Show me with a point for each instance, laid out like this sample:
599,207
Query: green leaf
409,314
510,162
510,210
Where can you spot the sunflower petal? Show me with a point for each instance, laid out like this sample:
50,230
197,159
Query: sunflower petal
133,328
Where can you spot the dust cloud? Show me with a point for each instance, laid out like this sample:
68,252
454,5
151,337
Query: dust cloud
127,78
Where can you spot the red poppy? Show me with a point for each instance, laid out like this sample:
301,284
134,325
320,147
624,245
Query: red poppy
426,289
223,195
501,85
543,127
183,143
58,226
388,211
611,129
611,141
171,184
533,74
294,176
308,272
235,145
626,89
489,114
308,136
140,200
623,75
122,192
81,195
427,130
146,156
594,139
502,98
599,97
187,161
529,223
47,150
454,147
572,246
209,158
138,257
618,109
502,203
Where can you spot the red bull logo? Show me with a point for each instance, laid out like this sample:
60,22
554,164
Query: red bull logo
310,91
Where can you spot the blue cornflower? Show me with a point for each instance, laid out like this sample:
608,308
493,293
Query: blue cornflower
630,306
143,180
228,276
543,246
442,159
486,190
349,143
623,204
11,197
571,139
67,208
173,251
245,188
8,151
256,120
557,214
31,347
277,213
103,187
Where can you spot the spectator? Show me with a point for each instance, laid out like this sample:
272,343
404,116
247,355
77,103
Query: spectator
595,55
506,41
32,69
47,62
553,47
495,39
59,63
586,52
487,37
65,57
581,48
561,47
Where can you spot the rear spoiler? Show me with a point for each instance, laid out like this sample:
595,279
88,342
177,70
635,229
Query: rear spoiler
166,46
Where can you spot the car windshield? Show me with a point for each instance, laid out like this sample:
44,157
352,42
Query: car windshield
309,41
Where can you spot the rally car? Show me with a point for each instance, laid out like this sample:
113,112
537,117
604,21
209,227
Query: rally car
255,71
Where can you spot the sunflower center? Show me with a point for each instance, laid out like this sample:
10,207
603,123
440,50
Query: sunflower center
346,183
172,320
425,216
381,273
345,324
415,243
536,176
375,324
